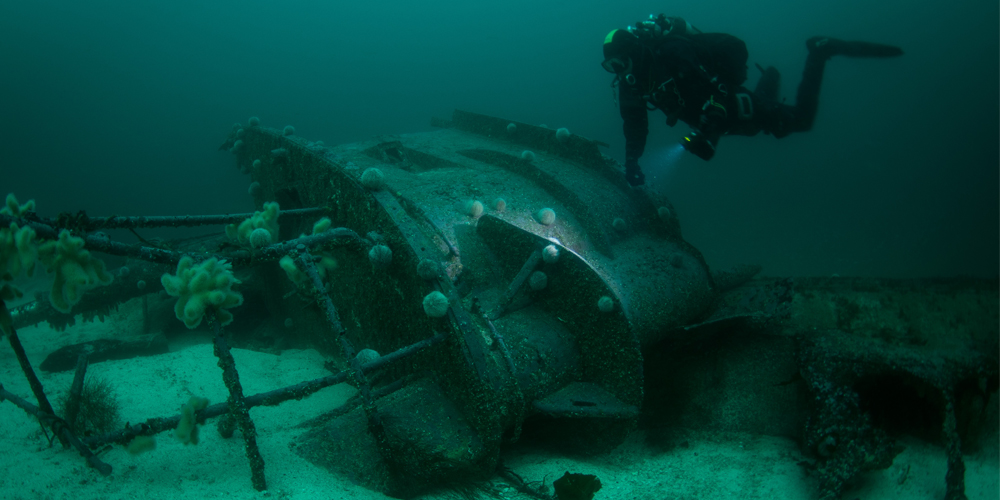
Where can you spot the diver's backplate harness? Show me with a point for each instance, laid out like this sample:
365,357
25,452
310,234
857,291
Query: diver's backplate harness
661,91
655,91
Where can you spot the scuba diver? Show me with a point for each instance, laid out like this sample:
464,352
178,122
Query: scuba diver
665,63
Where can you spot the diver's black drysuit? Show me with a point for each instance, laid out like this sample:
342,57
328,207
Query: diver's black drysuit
697,78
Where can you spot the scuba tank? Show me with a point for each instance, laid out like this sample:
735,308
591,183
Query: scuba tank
661,25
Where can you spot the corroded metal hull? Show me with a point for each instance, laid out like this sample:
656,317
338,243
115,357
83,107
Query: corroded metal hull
519,354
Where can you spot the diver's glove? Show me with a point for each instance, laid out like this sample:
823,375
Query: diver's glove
827,47
633,174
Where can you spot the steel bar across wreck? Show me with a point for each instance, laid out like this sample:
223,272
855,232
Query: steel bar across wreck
271,398
7,326
357,371
238,408
87,223
500,342
35,312
47,232
61,430
162,256
305,260
529,265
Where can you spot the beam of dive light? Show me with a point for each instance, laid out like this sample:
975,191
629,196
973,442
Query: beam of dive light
663,161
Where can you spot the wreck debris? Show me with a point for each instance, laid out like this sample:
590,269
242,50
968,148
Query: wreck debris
553,365
238,409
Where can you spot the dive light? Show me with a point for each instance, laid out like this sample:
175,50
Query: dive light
699,145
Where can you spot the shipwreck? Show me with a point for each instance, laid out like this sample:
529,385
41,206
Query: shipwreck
494,281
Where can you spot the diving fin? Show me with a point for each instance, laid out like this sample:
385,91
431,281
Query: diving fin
769,85
829,47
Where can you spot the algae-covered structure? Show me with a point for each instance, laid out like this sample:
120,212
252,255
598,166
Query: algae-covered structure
528,339
492,281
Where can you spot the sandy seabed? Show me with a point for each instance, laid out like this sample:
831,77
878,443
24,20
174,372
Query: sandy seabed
710,465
